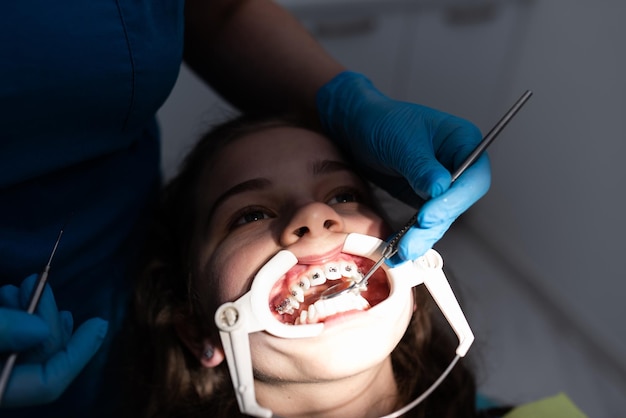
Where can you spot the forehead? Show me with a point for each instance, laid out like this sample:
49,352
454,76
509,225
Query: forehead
269,153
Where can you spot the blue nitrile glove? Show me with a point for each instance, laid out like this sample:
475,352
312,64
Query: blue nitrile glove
50,356
409,150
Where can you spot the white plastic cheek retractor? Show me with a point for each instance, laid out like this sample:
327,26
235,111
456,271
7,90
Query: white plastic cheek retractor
430,268
427,269
251,312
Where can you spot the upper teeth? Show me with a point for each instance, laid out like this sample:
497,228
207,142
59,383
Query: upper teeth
297,292
304,283
332,271
315,277
348,269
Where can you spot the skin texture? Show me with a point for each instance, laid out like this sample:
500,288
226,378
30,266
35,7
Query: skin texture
307,204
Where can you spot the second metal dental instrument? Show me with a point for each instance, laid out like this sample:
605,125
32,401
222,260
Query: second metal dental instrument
32,306
392,247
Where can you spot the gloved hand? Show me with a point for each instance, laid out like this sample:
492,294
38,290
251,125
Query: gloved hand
409,150
50,357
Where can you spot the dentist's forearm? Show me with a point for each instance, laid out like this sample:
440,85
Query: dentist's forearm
256,54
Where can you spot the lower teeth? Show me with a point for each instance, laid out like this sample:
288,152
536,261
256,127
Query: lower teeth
322,309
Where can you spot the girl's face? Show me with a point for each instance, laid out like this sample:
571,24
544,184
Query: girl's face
289,188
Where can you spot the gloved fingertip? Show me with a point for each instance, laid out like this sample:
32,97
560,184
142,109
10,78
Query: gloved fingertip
418,241
95,328
10,297
67,323
87,339
104,327
395,260
437,188
30,279
432,216
414,250
100,326
431,181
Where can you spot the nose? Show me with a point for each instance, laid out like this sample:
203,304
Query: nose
312,220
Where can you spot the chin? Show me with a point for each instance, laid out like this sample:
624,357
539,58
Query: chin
322,360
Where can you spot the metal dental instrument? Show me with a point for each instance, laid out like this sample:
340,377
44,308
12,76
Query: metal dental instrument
392,247
32,306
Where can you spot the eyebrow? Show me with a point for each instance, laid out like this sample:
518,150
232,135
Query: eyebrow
317,168
246,186
329,166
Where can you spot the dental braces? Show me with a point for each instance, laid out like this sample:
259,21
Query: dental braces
251,313
303,302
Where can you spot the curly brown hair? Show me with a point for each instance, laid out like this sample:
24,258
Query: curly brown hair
166,380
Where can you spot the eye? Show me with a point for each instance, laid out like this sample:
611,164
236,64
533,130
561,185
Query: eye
249,215
344,196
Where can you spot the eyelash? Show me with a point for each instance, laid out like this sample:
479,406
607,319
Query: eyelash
354,193
241,217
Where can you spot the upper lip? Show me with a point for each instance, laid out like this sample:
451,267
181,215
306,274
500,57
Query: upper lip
320,258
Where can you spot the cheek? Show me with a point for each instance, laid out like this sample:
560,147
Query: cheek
226,276
371,225
232,266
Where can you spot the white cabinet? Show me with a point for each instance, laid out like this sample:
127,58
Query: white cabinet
456,56
364,39
462,59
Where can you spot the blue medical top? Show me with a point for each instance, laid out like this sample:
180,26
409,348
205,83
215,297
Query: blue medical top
80,83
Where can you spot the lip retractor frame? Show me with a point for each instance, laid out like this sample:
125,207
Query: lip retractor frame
250,313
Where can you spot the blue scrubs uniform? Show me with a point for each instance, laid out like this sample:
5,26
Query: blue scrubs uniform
80,82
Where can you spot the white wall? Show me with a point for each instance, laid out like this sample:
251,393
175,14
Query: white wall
556,209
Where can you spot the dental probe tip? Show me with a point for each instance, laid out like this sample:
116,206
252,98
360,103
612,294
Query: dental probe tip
54,249
43,278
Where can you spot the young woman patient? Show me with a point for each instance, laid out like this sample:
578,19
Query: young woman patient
251,188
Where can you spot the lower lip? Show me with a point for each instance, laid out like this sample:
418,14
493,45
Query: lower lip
342,318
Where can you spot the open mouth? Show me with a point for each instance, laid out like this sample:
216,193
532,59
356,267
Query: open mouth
296,298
